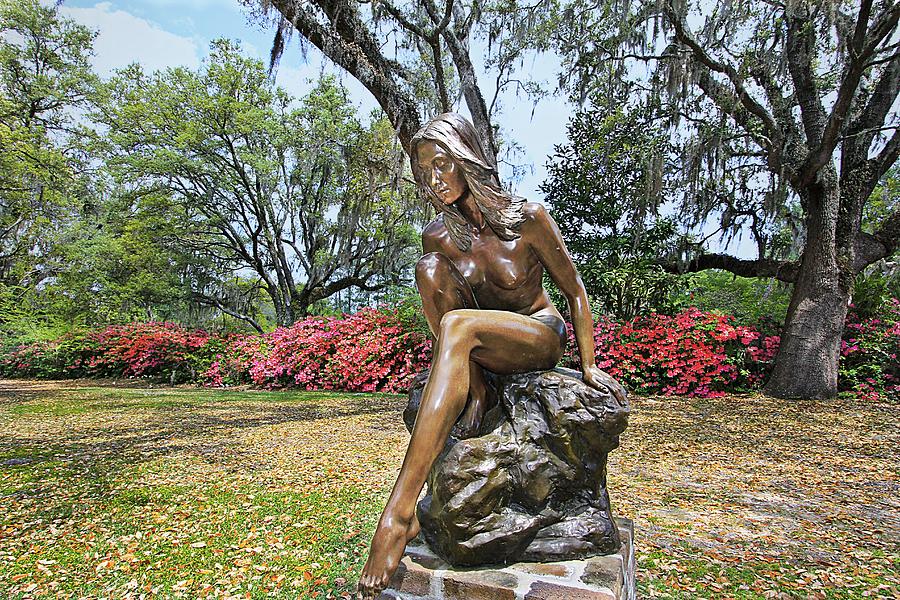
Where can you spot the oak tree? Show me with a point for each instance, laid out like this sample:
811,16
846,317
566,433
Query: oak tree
416,57
45,77
306,198
785,112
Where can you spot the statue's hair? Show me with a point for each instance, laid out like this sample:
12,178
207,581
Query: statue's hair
502,211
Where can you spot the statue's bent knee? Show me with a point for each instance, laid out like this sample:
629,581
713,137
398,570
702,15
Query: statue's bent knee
454,324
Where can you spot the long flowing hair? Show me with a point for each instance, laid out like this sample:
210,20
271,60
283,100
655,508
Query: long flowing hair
502,211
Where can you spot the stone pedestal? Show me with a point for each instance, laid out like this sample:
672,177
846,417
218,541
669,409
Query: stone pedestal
423,575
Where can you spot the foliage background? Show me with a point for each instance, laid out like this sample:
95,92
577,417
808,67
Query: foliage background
149,221
693,353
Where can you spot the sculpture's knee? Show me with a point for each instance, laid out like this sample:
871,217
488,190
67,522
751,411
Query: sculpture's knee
432,268
456,329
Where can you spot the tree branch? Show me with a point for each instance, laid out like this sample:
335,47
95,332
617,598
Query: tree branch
801,44
210,301
12,227
319,292
723,98
468,81
859,55
863,129
884,25
883,243
433,38
349,44
745,98
888,156
779,269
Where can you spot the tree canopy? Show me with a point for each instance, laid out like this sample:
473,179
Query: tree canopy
783,114
416,57
44,77
604,187
307,198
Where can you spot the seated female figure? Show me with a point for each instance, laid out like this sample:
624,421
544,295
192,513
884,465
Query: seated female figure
481,286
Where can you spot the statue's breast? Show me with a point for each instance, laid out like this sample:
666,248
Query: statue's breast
497,267
470,268
508,274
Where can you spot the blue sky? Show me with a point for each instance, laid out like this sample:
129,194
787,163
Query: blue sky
162,33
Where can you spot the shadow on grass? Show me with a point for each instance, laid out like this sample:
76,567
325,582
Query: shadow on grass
123,428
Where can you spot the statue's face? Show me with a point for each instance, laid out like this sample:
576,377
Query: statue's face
442,173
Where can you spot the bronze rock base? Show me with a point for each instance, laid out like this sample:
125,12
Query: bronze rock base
531,486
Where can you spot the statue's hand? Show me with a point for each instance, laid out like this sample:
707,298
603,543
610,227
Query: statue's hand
601,380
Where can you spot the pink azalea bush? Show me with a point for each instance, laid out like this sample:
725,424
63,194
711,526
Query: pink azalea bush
231,358
146,349
365,352
54,359
693,353
870,367
161,350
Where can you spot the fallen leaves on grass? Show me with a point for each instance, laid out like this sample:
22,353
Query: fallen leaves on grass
752,497
130,493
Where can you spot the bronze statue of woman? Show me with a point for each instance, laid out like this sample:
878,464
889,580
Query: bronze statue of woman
481,288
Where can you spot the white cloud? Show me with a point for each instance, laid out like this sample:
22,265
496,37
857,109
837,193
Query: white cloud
124,38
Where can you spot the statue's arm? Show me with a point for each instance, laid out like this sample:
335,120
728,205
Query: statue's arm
547,242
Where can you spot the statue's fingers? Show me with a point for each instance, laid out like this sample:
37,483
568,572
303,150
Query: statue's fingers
616,389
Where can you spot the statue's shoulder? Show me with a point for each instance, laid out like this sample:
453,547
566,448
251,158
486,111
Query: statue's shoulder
534,210
536,217
435,231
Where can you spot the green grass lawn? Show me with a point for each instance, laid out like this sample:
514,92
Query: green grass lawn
119,492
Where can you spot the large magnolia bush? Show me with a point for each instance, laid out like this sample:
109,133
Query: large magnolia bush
693,353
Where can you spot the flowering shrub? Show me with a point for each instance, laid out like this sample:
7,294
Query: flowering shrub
147,349
870,348
692,353
231,358
162,350
48,360
365,352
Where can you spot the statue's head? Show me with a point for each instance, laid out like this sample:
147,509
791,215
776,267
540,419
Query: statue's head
448,162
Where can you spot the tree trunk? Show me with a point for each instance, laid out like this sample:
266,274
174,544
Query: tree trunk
807,362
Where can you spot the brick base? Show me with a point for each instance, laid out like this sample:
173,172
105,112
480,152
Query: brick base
424,576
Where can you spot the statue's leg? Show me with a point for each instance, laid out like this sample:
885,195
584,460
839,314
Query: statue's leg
443,288
500,341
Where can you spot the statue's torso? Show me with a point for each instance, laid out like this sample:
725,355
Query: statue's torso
504,275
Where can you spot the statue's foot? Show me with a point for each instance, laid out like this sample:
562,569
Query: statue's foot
480,400
387,548
470,420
